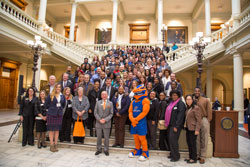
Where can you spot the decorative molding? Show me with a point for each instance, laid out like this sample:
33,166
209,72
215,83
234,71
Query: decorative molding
84,12
197,9
121,13
168,16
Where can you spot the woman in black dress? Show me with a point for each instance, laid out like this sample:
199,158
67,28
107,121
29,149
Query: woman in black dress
27,113
41,120
93,97
65,132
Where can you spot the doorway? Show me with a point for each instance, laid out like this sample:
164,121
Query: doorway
8,83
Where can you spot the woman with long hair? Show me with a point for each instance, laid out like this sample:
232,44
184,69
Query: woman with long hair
54,103
79,82
41,117
192,126
65,132
27,113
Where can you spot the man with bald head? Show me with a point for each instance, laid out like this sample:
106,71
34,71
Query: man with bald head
48,88
103,114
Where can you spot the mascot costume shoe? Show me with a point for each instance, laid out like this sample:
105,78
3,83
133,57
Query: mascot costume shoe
138,111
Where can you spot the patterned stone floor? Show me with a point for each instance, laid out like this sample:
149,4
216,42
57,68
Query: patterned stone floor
12,154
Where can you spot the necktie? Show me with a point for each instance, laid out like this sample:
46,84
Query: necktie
104,105
64,84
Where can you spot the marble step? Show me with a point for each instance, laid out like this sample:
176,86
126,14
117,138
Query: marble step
125,150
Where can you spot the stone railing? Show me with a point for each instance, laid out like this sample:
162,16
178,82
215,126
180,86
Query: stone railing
106,47
12,11
62,41
245,15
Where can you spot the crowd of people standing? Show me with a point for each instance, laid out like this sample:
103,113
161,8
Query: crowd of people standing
100,93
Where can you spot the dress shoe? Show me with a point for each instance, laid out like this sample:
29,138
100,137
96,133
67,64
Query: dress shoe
106,153
115,145
39,145
190,161
186,160
91,133
202,161
31,144
121,146
174,160
24,144
43,145
169,157
98,152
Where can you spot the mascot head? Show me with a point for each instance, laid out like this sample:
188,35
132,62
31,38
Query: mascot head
140,92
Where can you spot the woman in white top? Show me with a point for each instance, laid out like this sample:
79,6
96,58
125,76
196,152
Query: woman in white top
166,77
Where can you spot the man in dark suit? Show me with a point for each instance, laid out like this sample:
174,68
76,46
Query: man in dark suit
103,114
102,79
110,90
66,82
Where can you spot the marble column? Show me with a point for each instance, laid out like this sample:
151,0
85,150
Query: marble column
238,86
160,21
114,21
209,83
72,21
42,14
207,17
236,12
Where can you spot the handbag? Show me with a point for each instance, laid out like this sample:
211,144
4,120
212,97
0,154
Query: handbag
161,125
79,130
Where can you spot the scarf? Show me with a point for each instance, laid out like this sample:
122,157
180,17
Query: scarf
169,111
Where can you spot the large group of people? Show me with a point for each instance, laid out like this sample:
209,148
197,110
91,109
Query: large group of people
100,93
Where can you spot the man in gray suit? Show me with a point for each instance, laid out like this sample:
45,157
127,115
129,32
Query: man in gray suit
103,114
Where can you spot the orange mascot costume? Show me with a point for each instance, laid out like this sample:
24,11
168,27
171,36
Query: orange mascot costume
138,111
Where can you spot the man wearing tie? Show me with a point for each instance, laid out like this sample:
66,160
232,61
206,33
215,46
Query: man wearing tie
66,82
102,79
109,89
103,114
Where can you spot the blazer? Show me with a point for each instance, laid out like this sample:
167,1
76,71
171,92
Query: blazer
41,108
125,103
79,106
193,119
162,108
178,115
68,84
154,110
89,88
28,108
107,114
52,108
112,92
93,97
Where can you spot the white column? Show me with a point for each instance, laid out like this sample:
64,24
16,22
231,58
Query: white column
236,12
238,86
42,13
209,83
160,20
114,21
207,17
72,21
37,78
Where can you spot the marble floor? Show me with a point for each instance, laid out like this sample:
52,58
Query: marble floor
12,154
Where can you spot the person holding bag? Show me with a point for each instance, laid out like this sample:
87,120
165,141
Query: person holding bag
163,143
80,109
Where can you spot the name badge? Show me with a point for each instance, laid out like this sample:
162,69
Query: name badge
96,99
70,105
26,98
42,104
58,105
175,108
